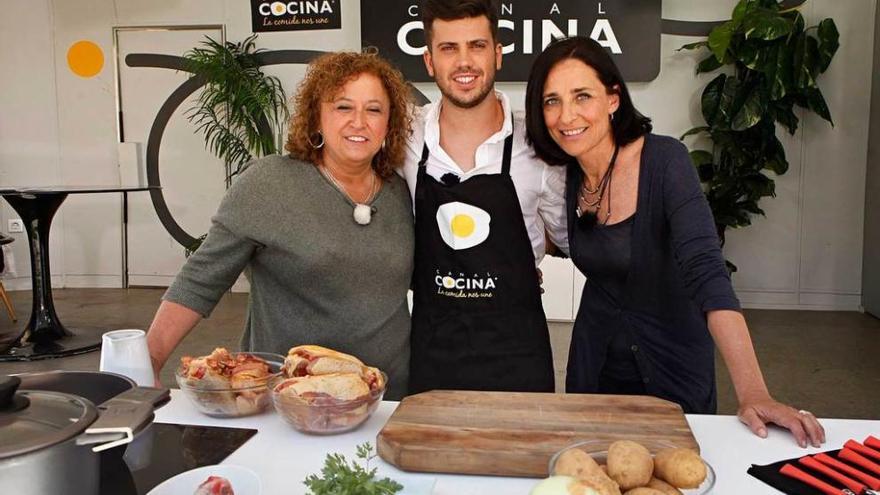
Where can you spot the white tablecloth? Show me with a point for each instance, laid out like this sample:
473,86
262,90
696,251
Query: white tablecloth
283,457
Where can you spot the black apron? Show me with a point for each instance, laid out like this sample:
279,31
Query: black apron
478,322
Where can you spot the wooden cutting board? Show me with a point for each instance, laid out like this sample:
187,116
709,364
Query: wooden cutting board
516,434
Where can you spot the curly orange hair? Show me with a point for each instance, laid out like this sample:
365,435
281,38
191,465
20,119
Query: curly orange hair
324,78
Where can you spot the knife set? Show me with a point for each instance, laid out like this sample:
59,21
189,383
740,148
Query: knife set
852,470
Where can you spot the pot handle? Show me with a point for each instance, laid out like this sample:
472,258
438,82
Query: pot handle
121,417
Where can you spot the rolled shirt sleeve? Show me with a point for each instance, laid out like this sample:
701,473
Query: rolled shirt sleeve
551,206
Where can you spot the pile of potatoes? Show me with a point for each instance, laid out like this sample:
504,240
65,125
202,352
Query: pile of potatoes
630,470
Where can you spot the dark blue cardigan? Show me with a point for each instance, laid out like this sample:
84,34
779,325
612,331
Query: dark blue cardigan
677,274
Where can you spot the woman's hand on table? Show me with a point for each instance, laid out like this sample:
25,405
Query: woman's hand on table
802,424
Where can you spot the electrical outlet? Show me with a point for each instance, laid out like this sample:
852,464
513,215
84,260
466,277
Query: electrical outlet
16,226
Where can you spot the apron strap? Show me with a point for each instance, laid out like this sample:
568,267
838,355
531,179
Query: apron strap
508,147
425,153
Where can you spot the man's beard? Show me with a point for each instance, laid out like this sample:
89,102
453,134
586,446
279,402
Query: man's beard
460,103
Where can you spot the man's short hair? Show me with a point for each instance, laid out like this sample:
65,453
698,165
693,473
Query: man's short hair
452,10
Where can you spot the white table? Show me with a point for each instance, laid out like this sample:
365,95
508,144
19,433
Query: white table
283,457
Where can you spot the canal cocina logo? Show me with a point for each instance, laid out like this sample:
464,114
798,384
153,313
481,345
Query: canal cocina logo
629,30
295,8
295,15
467,287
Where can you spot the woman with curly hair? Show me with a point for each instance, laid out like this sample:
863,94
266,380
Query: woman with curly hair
325,233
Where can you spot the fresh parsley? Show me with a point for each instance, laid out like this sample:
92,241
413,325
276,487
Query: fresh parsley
338,477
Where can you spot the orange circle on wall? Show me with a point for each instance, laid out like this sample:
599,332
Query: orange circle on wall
85,58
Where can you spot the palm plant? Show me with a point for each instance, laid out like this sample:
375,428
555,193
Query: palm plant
775,61
241,110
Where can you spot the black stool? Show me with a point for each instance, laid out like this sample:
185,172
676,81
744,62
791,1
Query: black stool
3,295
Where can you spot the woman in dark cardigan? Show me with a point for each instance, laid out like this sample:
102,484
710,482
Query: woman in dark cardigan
640,229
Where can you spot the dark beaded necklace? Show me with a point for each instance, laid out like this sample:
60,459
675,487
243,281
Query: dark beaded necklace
587,216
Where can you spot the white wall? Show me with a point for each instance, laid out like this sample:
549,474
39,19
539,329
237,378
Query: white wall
28,114
58,128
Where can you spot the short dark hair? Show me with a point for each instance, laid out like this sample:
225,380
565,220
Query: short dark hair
628,124
452,10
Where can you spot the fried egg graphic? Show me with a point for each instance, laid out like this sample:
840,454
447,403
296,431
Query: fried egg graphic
278,8
462,225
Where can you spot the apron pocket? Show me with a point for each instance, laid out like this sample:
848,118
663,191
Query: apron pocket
489,350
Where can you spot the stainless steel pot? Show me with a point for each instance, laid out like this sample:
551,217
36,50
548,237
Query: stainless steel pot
96,386
50,442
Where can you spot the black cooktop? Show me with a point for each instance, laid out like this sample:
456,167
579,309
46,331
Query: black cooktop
164,450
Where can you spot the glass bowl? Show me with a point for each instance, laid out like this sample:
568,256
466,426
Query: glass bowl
232,402
598,450
325,416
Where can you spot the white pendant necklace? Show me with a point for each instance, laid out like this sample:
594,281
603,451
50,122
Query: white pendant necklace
363,212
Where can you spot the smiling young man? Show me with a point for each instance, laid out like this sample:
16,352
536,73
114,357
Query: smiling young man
482,204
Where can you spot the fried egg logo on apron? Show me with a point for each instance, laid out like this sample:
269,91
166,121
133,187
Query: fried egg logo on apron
462,226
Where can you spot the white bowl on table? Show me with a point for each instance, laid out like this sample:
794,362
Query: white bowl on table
244,481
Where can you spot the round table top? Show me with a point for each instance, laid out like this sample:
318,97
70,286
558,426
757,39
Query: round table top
40,190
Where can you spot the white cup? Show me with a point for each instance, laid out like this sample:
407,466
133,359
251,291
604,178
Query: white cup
125,352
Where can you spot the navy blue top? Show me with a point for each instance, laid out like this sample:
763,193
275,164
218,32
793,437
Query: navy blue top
604,256
676,275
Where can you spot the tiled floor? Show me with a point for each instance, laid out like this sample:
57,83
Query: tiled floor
827,362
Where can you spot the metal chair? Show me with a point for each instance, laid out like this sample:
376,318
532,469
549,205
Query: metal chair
3,295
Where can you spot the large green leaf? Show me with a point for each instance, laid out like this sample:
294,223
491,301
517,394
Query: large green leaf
760,184
776,160
708,64
805,62
816,103
702,161
797,20
693,46
700,157
752,54
719,39
783,113
829,42
774,71
751,111
764,24
711,99
740,11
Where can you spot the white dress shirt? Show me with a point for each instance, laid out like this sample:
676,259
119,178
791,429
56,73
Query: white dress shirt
539,187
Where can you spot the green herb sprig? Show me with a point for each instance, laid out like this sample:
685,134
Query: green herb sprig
338,477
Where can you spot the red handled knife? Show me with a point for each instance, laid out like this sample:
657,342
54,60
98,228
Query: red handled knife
836,476
856,458
872,442
872,482
861,449
793,472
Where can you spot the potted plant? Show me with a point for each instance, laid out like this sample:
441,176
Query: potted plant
241,111
770,62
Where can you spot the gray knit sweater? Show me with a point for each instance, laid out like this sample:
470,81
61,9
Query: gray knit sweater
316,276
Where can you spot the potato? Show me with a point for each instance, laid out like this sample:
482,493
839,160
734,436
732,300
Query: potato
576,463
663,486
629,464
681,468
563,485
643,490
603,484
